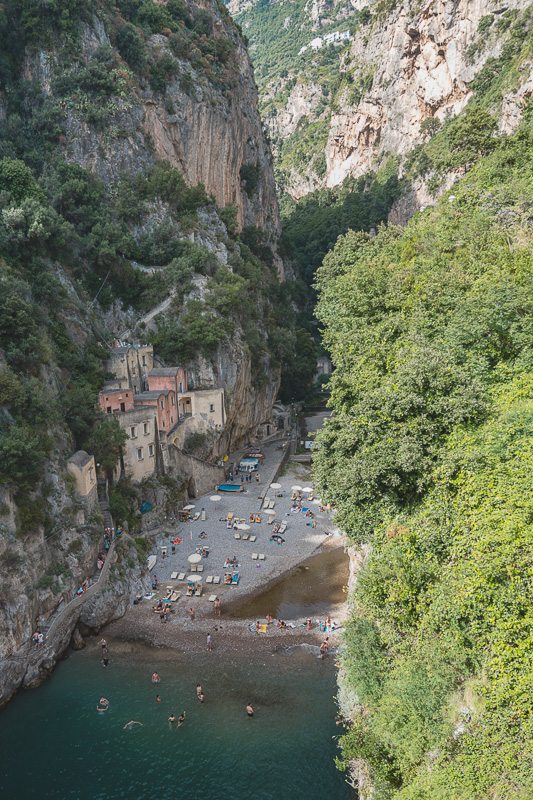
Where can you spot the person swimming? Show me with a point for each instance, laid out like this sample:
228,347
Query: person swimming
181,720
131,723
156,678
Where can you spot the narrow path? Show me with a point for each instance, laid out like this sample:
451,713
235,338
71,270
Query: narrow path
151,314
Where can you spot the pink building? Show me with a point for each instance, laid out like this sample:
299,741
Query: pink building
174,378
165,402
113,401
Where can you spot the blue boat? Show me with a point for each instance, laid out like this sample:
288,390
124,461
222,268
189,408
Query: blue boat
230,487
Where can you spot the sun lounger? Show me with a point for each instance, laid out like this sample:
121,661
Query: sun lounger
261,556
253,538
181,576
270,520
209,579
235,579
266,502
258,518
237,535
196,516
216,579
198,592
311,496
245,536
173,576
276,527
200,568
254,556
193,567
272,504
282,527
174,596
212,598
227,578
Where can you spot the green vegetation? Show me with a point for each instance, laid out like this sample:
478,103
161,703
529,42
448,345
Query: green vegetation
429,460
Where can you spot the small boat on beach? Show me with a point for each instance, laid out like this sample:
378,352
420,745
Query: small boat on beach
230,487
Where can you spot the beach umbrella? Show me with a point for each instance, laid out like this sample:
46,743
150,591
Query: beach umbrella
244,526
195,558
195,578
307,489
215,498
296,488
317,502
188,508
275,485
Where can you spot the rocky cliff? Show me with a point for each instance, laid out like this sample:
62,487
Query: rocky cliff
339,110
111,119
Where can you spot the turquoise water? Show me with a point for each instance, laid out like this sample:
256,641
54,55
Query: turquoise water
55,745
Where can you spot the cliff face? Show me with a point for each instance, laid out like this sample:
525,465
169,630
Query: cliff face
338,110
421,68
209,133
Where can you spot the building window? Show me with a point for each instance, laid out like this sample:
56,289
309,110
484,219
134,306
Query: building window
181,387
151,450
171,399
133,432
108,409
171,420
162,403
212,408
144,361
91,475
139,454
146,428
163,423
133,369
107,399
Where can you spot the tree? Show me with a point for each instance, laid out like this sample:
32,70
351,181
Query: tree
107,443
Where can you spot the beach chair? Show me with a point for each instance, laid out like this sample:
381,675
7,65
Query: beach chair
174,596
193,567
270,519
311,496
245,536
272,504
253,538
235,579
198,592
258,518
237,535
209,579
212,598
261,556
266,502
181,576
200,568
254,556
216,579
173,576
282,527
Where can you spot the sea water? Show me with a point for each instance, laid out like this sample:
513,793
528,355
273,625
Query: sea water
55,745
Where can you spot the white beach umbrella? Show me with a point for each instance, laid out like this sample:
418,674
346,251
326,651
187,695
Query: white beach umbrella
275,485
296,488
195,558
244,526
215,498
307,489
188,508
195,578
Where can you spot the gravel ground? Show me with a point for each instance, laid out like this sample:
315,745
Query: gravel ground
301,541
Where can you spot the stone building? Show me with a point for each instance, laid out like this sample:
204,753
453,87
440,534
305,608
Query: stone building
81,465
164,401
174,378
113,400
144,453
132,363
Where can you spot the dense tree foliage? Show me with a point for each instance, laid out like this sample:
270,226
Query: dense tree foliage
428,459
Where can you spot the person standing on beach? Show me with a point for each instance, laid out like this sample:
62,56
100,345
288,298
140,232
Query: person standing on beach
216,606
249,710
191,614
104,646
209,646
324,647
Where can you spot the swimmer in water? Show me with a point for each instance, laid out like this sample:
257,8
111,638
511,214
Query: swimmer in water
155,678
104,702
131,723
181,720
157,699
249,710
171,721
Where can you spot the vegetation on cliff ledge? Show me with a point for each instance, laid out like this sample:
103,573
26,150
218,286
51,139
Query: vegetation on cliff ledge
429,459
